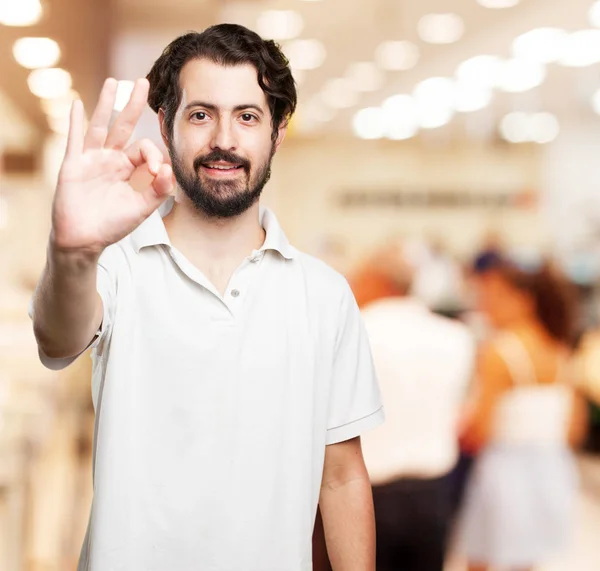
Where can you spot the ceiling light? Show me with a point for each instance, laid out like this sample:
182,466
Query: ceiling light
498,4
435,118
581,49
49,83
20,13
520,75
543,128
402,131
441,28
436,101
369,123
542,45
514,127
401,117
305,54
365,76
437,92
594,14
124,91
397,55
539,128
482,71
33,53
470,98
432,105
279,24
339,93
596,102
399,105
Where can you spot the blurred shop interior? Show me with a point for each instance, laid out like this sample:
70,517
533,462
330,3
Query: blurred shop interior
452,125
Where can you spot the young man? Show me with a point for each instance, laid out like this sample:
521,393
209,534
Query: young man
232,375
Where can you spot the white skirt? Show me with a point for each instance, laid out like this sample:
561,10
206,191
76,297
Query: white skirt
519,505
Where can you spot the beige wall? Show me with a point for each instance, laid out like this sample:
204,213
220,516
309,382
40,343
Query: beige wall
308,174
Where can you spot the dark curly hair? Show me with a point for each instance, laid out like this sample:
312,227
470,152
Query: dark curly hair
555,297
227,45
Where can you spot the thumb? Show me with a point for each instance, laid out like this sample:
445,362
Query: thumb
160,189
164,181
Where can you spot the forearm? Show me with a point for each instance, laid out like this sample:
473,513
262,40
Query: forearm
67,307
349,524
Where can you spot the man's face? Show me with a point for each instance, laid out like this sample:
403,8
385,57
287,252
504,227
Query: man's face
221,146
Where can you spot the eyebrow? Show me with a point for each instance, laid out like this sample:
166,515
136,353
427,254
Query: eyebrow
216,108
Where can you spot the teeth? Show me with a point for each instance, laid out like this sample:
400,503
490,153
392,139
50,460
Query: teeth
221,167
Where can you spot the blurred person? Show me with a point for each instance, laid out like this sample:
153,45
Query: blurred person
491,250
370,283
493,243
424,364
232,377
588,362
525,419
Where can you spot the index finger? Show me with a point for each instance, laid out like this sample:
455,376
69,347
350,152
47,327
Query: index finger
125,123
75,138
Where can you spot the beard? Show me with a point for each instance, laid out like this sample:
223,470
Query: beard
221,198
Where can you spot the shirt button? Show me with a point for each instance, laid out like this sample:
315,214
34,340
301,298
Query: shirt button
235,292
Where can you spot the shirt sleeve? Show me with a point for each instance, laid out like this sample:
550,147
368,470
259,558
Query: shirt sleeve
106,284
355,400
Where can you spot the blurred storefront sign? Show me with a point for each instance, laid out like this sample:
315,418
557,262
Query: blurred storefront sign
412,198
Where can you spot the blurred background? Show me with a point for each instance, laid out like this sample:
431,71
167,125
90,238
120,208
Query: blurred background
453,125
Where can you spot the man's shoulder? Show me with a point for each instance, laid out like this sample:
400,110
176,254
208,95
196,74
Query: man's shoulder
319,275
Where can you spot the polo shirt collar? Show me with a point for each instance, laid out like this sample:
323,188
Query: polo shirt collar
152,232
275,237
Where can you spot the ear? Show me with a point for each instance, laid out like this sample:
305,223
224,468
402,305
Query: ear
163,127
281,132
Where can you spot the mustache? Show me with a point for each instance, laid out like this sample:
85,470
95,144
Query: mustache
224,156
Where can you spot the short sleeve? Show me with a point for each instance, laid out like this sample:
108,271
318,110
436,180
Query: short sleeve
106,285
355,400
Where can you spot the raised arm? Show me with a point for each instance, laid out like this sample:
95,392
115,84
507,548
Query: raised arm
94,206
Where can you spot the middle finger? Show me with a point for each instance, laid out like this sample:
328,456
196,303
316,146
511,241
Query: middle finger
125,123
98,127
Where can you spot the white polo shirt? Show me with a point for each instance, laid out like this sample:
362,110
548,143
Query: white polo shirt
213,413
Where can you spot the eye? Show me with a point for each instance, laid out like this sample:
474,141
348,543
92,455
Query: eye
199,115
248,117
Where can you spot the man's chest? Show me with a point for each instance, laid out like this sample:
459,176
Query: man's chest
267,347
194,382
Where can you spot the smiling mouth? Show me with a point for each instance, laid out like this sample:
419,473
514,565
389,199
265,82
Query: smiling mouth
222,168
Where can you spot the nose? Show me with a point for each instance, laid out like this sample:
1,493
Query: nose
224,136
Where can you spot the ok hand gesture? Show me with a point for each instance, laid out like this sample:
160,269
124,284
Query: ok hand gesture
95,204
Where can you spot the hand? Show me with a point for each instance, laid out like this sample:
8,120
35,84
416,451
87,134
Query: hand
95,204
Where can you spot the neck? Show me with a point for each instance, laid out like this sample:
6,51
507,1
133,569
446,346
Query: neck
222,240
